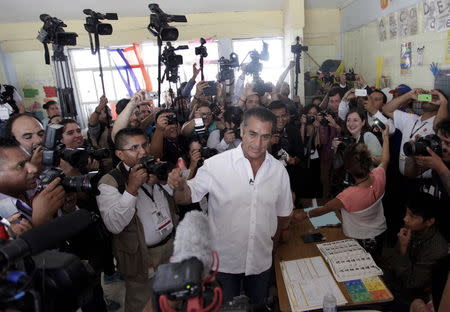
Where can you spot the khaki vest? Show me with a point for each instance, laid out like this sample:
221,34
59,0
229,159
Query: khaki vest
129,247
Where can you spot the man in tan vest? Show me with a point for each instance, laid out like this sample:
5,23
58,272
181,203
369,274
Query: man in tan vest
140,214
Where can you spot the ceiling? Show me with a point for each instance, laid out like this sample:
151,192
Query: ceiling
29,10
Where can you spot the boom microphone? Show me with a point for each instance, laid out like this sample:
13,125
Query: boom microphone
46,236
192,239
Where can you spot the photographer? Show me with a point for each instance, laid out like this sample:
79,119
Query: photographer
18,181
413,126
361,207
72,138
281,92
375,101
167,143
250,98
28,132
128,114
288,148
140,214
200,110
309,178
230,137
52,109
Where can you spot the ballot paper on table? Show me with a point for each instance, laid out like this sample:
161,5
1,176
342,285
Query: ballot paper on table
348,260
307,281
328,219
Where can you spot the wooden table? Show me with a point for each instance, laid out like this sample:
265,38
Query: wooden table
295,248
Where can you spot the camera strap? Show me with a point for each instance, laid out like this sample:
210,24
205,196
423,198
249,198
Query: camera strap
417,130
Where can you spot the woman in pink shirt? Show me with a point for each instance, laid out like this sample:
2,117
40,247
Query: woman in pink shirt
361,207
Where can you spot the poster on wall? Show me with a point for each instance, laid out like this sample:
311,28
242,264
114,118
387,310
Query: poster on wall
382,29
407,22
436,15
429,15
443,15
413,23
403,30
393,25
405,58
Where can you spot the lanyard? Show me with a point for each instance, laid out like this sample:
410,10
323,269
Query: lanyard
148,194
413,133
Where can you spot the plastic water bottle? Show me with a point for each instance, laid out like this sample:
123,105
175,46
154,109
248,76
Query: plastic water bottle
329,303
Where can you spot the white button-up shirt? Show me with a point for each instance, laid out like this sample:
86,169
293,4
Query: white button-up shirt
243,209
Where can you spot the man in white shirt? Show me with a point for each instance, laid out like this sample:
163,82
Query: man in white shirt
140,214
412,126
248,194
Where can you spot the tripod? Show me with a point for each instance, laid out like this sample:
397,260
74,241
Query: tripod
63,80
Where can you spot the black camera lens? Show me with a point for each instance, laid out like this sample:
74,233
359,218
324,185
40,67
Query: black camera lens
419,147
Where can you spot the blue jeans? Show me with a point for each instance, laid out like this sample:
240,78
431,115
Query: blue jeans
256,287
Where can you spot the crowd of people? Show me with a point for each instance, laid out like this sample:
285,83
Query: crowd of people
252,161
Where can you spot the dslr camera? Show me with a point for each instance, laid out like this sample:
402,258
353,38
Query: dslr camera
51,155
347,140
325,113
159,169
350,76
419,147
171,119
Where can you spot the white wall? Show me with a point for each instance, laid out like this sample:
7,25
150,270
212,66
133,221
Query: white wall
362,47
362,12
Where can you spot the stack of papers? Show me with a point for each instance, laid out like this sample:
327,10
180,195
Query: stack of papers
348,260
328,219
307,281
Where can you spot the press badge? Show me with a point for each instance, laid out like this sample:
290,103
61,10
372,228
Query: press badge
163,222
4,112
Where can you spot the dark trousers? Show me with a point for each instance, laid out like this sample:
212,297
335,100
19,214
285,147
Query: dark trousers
256,287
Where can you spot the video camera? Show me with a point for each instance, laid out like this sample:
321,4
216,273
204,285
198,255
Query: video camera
93,24
159,26
172,61
53,151
33,279
53,32
226,66
254,67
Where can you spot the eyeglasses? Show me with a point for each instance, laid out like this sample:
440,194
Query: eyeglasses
135,148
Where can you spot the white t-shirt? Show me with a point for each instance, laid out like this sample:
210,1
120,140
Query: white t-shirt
243,209
411,126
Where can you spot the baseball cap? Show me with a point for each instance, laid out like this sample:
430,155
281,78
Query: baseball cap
401,89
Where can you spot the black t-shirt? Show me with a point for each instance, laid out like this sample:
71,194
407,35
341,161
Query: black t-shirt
172,150
290,142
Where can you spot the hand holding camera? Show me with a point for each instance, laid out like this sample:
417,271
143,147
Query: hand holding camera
229,136
195,157
433,161
36,157
137,98
46,203
138,176
438,98
350,94
200,87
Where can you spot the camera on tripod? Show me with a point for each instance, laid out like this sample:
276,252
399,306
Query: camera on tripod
93,24
226,66
53,32
254,67
159,26
172,61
